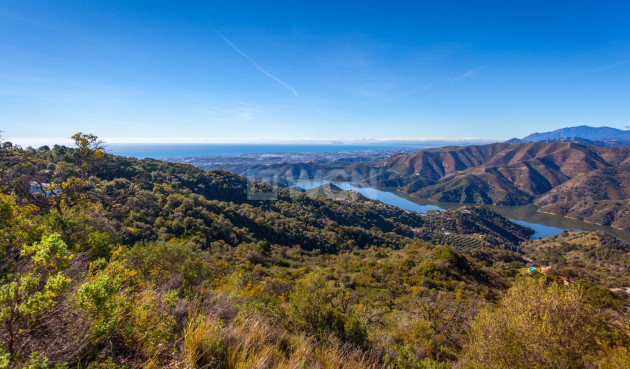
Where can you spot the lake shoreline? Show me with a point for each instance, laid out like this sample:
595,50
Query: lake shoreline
545,225
531,213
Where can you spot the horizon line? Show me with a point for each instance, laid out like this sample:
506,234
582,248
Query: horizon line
24,141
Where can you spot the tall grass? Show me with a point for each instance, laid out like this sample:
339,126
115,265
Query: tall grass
203,345
253,343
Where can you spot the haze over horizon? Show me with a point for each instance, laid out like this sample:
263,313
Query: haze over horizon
323,71
38,141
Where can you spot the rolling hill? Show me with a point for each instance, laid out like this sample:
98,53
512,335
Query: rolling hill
563,178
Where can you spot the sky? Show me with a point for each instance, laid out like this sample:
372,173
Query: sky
284,70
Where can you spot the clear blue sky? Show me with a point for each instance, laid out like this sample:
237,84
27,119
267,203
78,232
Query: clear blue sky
316,69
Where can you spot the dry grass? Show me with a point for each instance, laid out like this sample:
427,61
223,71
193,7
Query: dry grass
203,345
253,343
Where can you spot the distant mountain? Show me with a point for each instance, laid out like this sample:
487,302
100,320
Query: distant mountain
584,182
585,135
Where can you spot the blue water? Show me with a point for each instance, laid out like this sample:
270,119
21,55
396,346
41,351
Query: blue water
540,230
165,151
374,194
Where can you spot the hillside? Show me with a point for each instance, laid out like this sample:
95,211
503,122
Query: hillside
588,256
601,196
499,173
332,191
514,174
153,200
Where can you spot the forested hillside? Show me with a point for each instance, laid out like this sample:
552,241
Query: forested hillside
112,262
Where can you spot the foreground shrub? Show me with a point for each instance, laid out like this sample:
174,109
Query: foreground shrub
119,308
535,326
26,298
320,310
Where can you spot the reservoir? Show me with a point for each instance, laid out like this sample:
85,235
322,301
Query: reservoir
544,225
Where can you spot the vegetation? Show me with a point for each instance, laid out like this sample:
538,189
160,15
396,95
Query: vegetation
111,262
536,326
595,257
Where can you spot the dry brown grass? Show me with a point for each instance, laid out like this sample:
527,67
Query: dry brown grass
253,343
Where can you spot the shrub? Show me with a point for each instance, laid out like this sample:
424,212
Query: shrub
161,261
535,325
25,298
316,309
148,330
355,331
98,245
105,295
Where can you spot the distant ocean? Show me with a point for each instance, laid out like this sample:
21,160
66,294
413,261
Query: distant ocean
166,151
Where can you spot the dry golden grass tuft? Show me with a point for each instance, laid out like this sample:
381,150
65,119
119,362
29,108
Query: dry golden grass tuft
252,343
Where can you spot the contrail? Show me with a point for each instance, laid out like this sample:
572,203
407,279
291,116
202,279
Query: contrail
469,73
283,83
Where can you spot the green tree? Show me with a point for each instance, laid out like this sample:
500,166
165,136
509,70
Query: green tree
91,152
17,227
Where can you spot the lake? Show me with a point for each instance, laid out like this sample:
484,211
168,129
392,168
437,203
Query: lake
544,225
373,194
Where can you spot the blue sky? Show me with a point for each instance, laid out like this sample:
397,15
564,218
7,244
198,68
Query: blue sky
323,70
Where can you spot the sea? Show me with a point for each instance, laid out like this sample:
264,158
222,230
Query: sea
167,151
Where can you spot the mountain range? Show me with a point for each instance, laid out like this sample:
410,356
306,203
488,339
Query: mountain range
585,182
578,172
586,135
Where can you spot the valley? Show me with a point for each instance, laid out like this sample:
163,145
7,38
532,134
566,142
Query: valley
558,178
544,225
